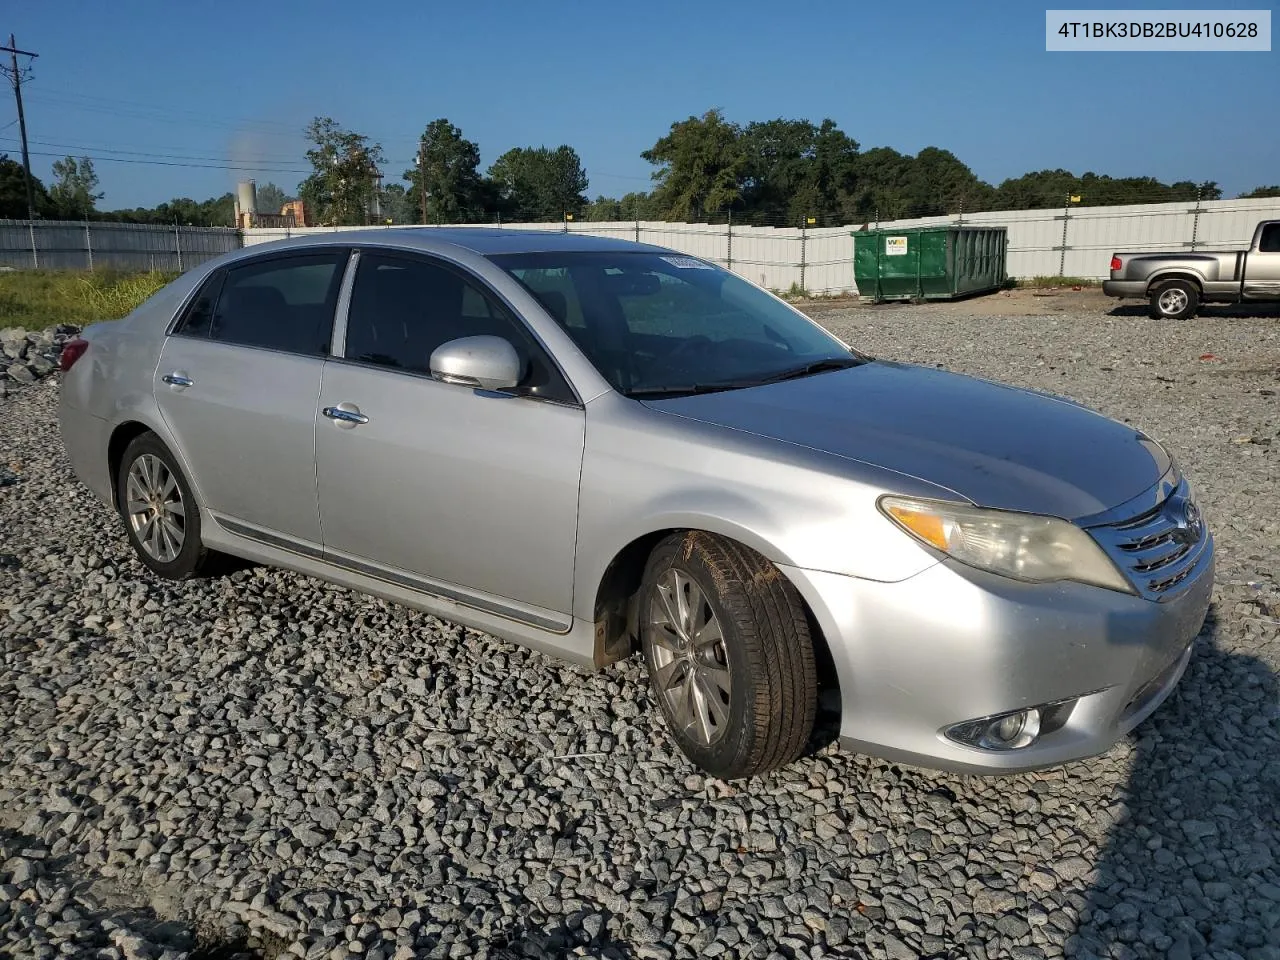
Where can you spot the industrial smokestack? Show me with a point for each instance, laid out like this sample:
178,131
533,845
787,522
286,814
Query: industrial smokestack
247,197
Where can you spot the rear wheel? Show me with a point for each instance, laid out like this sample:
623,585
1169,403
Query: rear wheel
160,514
729,654
1174,300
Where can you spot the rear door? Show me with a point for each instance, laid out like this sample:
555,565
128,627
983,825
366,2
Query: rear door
237,385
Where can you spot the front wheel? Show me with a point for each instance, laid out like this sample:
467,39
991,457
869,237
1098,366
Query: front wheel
730,658
1174,300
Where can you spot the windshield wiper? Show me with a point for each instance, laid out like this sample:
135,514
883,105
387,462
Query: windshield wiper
683,389
817,366
687,389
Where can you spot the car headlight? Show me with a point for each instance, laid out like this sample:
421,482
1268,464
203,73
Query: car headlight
1023,546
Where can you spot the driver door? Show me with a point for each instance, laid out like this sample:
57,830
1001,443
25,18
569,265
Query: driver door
454,491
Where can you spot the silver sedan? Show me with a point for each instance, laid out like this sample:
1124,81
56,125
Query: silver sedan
595,447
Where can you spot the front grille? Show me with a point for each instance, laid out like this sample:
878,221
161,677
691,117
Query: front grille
1158,550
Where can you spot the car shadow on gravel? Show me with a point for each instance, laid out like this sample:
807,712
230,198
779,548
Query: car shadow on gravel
53,895
1267,310
1190,869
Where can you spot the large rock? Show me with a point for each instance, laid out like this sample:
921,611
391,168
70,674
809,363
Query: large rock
21,373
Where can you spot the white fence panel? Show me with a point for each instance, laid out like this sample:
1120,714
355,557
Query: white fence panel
821,260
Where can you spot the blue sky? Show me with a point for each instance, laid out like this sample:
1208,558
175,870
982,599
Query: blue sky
234,83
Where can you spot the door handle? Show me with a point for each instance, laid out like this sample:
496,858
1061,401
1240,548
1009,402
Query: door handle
177,380
344,416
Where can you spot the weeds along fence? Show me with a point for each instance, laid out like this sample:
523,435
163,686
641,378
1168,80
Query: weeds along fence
95,245
1070,241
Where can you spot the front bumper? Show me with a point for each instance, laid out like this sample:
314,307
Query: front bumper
1125,289
954,643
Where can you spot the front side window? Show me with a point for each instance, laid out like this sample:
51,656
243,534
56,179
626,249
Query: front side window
664,323
284,303
1270,240
404,307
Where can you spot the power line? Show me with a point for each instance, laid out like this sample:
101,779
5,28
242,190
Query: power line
174,163
266,164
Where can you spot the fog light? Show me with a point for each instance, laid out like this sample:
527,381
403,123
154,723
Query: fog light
1004,731
1012,731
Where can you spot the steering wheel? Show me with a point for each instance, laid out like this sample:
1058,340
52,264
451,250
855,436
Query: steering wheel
690,345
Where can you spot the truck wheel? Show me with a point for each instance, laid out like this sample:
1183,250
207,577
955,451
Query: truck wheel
729,653
1174,300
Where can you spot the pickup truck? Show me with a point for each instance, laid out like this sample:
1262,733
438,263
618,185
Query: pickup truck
1175,284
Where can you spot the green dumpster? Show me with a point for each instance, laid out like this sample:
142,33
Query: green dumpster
928,263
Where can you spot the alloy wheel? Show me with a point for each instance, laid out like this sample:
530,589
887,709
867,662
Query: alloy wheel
691,664
1173,301
154,506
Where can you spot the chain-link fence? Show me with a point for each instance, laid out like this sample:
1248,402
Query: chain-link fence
95,245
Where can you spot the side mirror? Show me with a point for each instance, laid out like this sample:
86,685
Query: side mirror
486,362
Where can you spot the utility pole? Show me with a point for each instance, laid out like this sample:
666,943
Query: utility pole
15,77
422,180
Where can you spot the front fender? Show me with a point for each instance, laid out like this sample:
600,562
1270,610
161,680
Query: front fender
645,472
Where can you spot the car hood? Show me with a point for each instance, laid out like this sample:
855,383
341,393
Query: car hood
994,445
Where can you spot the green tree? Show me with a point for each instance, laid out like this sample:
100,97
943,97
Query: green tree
701,166
13,191
1257,193
76,190
342,188
271,198
395,204
603,209
883,185
538,183
793,170
777,156
448,166
637,205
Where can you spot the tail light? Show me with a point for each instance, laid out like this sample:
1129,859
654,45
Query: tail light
72,351
1117,263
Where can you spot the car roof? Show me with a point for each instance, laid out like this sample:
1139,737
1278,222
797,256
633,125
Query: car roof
485,241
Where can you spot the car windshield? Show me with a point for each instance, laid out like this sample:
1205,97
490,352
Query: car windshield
658,324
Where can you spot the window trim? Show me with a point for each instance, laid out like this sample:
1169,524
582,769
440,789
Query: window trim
251,260
339,350
218,275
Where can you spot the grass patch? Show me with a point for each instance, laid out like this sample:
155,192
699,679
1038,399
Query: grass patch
36,299
1059,282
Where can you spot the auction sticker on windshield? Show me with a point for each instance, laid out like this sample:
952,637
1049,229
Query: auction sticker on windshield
687,263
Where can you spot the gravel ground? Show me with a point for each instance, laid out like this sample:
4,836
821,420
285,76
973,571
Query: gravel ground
264,763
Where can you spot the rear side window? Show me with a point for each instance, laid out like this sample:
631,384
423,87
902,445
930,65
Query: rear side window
284,303
198,317
403,308
1270,242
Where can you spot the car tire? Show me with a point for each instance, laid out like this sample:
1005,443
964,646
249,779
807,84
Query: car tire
726,641
166,534
1174,300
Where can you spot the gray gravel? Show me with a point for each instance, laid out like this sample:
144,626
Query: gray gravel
263,762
